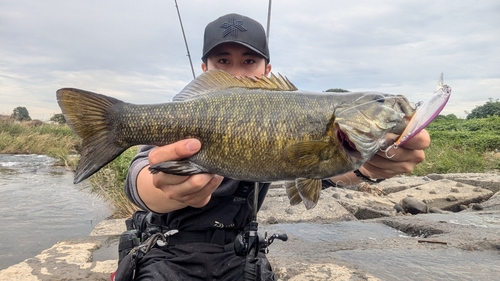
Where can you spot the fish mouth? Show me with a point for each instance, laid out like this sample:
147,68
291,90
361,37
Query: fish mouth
347,145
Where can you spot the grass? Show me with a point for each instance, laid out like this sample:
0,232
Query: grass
54,140
457,146
108,184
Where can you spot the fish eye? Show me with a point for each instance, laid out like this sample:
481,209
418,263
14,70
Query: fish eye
380,98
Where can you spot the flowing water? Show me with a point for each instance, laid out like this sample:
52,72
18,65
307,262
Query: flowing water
40,205
386,261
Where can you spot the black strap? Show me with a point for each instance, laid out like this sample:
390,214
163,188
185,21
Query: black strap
364,178
218,236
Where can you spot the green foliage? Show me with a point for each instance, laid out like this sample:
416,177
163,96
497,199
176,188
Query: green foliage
479,134
20,114
461,146
490,108
55,140
444,156
58,118
337,90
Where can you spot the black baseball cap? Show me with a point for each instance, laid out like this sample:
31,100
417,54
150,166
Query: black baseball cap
235,28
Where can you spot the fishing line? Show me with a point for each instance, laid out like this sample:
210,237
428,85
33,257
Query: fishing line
365,103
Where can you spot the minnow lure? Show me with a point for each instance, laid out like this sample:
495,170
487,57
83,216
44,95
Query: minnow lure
425,113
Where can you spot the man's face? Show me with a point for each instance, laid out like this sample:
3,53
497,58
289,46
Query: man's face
236,60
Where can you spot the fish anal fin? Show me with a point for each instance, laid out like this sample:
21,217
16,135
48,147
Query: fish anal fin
292,193
309,190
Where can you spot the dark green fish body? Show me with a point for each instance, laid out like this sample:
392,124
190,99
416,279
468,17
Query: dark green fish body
255,130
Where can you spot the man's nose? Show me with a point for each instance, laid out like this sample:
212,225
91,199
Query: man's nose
237,72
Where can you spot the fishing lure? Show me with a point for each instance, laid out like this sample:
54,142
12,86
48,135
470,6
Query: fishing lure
425,113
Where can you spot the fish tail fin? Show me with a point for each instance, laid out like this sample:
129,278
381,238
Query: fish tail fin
88,116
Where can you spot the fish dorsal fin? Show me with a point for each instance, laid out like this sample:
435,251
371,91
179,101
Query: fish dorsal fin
214,80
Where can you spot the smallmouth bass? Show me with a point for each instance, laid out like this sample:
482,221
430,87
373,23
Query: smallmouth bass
258,130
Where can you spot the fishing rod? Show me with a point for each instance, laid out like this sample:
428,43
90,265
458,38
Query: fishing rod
268,21
251,243
185,40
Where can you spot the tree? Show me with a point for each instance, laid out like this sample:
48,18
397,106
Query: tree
490,108
337,90
449,117
58,118
20,113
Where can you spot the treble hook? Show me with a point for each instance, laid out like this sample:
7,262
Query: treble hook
386,151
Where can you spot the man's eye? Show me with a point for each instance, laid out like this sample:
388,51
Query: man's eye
223,61
249,61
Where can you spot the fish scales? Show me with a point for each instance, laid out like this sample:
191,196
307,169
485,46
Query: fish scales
241,130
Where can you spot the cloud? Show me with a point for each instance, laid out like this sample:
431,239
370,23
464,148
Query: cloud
135,51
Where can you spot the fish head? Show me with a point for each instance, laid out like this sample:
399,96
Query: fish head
362,125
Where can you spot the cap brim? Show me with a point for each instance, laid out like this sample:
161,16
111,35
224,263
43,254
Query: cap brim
238,42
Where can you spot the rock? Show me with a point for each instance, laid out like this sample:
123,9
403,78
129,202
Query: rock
493,203
400,183
454,189
490,181
413,206
349,196
66,260
477,207
109,228
442,197
399,208
272,220
277,208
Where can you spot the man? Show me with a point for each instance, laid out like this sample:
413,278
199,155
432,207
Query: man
209,210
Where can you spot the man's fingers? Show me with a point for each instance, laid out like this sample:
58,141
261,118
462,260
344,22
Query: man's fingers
201,197
174,151
420,141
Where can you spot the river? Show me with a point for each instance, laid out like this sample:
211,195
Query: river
40,205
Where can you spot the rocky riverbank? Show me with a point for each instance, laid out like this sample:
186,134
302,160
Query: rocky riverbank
429,217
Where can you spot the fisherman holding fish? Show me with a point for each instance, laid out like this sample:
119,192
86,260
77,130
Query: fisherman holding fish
215,206
198,213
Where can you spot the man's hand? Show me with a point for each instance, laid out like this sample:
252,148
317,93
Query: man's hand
176,192
403,159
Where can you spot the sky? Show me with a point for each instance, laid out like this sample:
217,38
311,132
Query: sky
134,51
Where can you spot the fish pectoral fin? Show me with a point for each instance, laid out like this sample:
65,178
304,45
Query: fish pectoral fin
179,167
307,153
304,190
